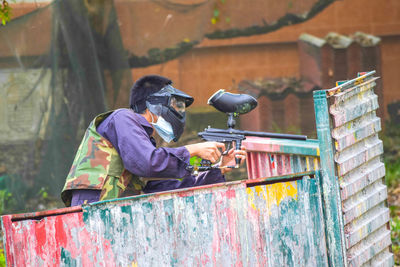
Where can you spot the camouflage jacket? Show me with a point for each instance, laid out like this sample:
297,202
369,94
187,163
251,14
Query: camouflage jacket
98,166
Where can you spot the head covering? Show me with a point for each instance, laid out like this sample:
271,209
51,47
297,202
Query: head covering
143,87
159,101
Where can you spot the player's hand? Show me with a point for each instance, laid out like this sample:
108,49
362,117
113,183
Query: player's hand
206,150
229,158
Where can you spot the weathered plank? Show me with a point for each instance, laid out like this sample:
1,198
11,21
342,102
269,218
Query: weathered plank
369,247
366,224
361,172
308,147
364,200
228,224
330,187
267,157
358,154
59,239
359,178
350,133
225,225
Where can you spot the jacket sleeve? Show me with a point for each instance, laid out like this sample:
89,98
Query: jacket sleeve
139,155
204,178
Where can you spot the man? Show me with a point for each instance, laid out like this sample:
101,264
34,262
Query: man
118,155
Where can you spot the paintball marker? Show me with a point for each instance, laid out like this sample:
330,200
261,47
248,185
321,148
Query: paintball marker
233,105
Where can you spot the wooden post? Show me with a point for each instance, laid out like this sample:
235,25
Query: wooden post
334,228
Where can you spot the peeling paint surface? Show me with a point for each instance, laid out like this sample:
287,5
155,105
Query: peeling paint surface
267,157
230,224
55,240
360,170
227,225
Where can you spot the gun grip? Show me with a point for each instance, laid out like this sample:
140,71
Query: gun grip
238,146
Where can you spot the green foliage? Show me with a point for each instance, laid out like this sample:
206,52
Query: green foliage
16,196
43,193
156,56
395,227
2,258
392,173
195,161
5,12
395,224
290,5
5,198
217,12
391,143
12,194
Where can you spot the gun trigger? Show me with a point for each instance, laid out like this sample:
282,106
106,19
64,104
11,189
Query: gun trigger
228,147
205,162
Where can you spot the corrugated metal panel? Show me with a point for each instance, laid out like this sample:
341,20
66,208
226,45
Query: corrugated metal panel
361,171
269,157
231,224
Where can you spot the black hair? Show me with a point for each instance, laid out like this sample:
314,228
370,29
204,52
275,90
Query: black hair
143,87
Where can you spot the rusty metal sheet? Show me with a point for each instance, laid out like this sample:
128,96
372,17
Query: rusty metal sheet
360,171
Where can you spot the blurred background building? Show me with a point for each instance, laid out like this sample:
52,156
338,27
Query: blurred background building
63,62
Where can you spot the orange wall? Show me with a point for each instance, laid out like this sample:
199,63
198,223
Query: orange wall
215,64
203,71
390,51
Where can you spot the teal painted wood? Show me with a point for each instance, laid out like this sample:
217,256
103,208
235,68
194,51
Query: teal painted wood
283,178
308,147
330,187
231,224
267,157
361,172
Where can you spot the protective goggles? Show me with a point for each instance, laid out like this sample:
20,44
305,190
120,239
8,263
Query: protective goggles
171,97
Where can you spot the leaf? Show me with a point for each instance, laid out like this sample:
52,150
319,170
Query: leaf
195,161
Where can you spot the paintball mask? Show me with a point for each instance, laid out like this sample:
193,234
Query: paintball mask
170,104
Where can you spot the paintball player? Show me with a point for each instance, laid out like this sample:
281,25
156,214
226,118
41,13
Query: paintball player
118,155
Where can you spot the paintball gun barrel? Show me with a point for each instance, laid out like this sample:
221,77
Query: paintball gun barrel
234,105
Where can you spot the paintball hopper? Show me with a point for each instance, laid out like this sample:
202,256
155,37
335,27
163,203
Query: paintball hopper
232,103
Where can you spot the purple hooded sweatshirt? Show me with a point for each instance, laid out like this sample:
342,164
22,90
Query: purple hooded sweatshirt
130,134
